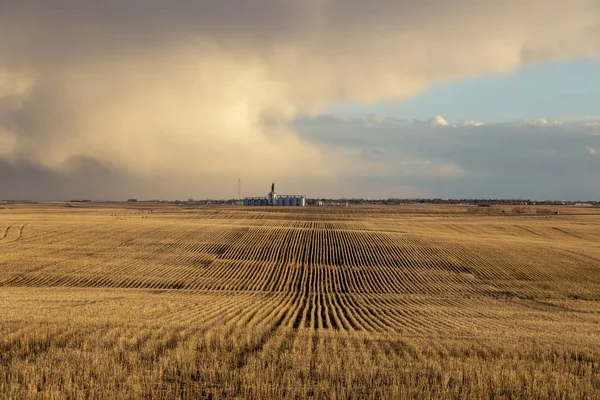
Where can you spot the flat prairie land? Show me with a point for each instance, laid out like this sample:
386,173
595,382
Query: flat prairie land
143,301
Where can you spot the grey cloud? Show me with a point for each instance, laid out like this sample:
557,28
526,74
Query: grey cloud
372,154
495,160
83,178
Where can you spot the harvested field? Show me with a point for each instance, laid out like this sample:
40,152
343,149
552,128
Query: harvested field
112,300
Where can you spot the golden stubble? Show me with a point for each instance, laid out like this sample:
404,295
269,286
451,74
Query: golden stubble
395,302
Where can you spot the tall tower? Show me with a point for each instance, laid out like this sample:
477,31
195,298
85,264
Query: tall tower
272,195
239,188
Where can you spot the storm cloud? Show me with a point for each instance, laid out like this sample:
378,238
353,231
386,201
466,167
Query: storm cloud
202,92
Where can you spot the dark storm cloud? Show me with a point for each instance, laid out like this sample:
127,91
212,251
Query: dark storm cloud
82,178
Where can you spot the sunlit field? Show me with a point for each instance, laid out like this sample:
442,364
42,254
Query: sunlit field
144,301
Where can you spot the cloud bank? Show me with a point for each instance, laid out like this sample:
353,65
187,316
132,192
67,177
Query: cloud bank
197,93
386,157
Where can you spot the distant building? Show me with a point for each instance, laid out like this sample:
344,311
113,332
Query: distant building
132,200
320,203
273,199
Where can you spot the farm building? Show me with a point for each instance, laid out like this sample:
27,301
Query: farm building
273,199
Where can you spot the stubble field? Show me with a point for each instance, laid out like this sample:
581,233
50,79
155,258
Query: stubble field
122,301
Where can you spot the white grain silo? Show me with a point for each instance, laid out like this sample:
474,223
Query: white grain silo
273,199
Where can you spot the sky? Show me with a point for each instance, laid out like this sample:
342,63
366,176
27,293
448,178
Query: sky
171,100
561,90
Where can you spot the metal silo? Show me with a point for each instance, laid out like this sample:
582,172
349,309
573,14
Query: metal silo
286,201
245,202
302,201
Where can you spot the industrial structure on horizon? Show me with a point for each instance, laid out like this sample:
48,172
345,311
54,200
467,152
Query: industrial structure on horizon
274,199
